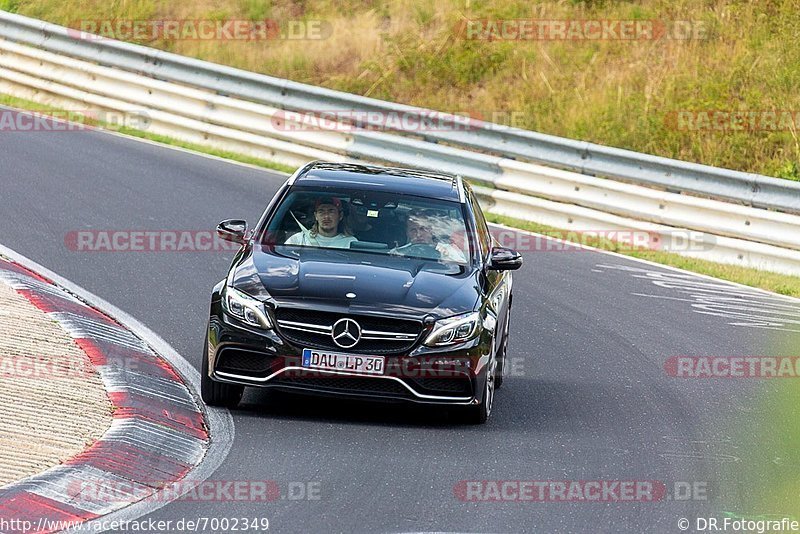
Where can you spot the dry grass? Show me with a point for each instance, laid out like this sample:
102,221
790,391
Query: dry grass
611,92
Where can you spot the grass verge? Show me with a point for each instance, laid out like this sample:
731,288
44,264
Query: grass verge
765,477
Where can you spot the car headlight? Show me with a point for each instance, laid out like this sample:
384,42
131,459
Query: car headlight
454,330
245,308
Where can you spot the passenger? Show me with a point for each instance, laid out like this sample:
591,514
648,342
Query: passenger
329,229
420,230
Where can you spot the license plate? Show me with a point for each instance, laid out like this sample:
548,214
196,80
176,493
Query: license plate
332,361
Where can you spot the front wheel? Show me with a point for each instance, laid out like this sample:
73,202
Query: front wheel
478,415
502,356
217,393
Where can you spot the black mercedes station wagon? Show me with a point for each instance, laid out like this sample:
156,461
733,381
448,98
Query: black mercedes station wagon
365,282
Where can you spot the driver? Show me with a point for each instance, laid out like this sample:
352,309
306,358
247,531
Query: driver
419,230
329,229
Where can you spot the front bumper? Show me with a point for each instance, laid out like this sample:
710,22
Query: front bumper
239,354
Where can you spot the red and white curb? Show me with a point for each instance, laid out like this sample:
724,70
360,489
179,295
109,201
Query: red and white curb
159,435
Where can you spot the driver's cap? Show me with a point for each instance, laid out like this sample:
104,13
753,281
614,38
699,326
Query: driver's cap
328,200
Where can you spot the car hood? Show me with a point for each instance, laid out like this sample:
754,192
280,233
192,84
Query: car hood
383,284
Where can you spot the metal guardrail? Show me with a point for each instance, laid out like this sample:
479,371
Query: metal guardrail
512,143
582,220
194,112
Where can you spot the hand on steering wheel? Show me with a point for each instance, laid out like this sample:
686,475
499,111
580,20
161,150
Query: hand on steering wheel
421,250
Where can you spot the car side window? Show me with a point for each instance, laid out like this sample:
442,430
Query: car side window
484,238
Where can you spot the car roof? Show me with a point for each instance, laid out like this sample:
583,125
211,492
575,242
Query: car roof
391,179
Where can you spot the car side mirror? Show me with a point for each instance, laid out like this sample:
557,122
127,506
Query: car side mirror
504,259
233,230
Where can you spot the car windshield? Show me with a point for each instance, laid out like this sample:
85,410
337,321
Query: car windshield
373,222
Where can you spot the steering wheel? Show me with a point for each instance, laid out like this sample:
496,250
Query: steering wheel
422,250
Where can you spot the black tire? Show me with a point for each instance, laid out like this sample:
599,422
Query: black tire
501,356
217,393
478,415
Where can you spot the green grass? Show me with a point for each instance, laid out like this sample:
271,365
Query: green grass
779,435
606,91
9,5
767,434
778,283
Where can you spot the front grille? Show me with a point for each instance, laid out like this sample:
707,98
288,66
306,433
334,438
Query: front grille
243,361
405,331
346,384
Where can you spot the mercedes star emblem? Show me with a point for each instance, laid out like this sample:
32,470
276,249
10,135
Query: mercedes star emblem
346,333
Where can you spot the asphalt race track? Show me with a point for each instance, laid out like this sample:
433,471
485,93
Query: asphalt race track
590,399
